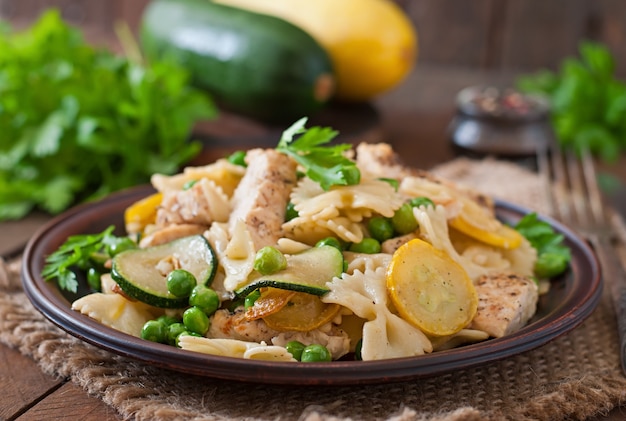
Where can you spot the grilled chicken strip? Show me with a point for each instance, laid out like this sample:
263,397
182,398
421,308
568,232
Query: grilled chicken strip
261,197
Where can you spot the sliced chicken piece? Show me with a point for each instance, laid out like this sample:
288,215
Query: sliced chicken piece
261,197
227,325
170,233
380,160
505,303
393,244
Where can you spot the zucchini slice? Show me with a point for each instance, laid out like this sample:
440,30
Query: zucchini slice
137,271
306,272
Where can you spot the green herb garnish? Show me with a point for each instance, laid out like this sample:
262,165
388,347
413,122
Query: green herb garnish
81,251
588,103
77,123
324,164
553,256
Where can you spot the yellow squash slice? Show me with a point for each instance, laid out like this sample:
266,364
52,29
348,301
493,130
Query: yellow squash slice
478,223
270,301
430,290
303,313
142,213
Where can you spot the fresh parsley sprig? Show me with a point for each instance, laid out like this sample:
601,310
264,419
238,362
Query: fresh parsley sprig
322,163
553,256
78,252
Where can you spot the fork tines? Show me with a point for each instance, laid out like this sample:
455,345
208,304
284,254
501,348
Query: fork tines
571,186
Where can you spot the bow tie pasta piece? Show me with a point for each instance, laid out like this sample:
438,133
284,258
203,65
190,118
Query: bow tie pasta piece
385,335
235,252
234,348
340,210
115,311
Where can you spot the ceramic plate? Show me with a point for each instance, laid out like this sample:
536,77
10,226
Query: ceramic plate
571,299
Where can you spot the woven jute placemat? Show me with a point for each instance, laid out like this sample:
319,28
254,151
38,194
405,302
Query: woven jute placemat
571,378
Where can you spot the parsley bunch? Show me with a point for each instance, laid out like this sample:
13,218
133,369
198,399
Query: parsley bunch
588,101
77,123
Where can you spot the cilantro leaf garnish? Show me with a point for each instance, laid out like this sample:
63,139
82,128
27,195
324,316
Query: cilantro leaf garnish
552,255
324,164
78,252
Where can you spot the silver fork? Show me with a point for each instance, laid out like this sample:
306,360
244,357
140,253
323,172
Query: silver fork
576,200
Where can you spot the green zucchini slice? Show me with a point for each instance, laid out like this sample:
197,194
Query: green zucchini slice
137,273
306,272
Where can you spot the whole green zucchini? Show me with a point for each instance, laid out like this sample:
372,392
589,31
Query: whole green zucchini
253,64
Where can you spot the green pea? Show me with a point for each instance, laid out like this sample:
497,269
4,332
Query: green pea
205,298
189,184
357,350
392,181
181,282
173,331
291,212
416,202
403,220
331,241
167,320
238,158
269,260
93,279
196,320
155,331
368,246
251,298
315,353
380,228
351,174
295,348
120,245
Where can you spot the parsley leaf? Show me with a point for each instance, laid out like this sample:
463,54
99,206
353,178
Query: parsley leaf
77,122
553,256
78,252
324,164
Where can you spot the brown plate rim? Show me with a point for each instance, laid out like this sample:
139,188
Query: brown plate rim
581,294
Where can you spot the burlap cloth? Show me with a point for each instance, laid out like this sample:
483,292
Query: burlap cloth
571,378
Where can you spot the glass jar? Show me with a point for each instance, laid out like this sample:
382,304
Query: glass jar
500,122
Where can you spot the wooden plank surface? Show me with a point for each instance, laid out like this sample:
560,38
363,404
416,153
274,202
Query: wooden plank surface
70,402
21,383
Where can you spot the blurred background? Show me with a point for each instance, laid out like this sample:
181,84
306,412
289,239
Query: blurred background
478,34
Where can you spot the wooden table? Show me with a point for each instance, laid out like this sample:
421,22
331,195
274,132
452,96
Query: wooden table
414,118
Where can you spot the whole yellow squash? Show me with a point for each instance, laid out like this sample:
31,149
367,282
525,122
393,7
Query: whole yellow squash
372,43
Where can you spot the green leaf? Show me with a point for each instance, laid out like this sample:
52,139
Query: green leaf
553,256
324,164
76,252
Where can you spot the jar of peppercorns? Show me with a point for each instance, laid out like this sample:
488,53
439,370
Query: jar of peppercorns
500,122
